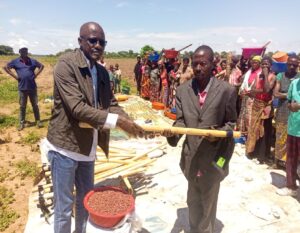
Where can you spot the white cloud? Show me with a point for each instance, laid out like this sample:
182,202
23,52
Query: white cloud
253,40
18,43
51,41
122,4
240,40
15,21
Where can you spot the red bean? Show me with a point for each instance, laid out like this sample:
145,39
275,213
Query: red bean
109,202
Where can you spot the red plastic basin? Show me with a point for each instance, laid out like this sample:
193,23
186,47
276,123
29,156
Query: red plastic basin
248,52
105,220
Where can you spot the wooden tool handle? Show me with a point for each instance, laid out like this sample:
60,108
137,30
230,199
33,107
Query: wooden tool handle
180,130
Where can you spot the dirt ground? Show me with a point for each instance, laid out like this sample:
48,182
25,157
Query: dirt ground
12,149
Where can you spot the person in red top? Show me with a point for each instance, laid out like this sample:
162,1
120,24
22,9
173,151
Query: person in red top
258,143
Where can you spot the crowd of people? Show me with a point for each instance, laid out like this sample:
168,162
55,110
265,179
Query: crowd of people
262,104
204,91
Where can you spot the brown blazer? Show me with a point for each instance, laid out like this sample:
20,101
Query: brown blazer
219,111
74,101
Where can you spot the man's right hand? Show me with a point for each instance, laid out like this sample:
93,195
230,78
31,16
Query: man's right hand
130,127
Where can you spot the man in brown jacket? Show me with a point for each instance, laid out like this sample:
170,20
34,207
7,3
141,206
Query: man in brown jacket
82,93
204,102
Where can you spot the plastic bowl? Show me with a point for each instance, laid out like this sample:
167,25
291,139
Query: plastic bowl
170,115
279,67
280,57
170,53
248,52
105,220
158,106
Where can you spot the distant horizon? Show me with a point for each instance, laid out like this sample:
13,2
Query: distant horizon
52,26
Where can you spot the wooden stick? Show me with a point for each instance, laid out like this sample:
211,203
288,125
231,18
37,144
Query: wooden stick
114,161
180,130
122,168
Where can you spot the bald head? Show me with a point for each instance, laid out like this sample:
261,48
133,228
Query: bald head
90,28
205,50
92,41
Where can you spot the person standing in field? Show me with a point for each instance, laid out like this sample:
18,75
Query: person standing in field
293,140
138,74
118,78
204,102
82,93
283,81
186,73
25,68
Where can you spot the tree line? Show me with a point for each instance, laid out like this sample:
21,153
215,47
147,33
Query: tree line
7,50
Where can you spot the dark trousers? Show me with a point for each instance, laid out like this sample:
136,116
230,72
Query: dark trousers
138,79
293,153
262,149
202,198
23,96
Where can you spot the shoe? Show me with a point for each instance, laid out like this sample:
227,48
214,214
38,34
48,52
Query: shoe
286,192
39,124
21,126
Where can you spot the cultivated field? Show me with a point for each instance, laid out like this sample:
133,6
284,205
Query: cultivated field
19,151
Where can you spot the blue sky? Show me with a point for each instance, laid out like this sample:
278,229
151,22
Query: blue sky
49,26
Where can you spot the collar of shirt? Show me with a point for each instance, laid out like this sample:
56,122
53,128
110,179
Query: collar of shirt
202,95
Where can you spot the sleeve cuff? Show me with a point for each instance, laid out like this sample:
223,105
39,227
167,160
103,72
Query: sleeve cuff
111,121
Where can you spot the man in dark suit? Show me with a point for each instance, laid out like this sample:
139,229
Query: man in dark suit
204,102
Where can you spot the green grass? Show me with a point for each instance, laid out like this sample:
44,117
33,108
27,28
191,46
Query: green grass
27,168
8,90
3,174
7,215
31,138
7,121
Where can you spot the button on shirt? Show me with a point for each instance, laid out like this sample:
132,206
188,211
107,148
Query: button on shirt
25,71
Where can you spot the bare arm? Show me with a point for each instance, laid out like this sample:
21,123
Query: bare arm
9,71
40,69
276,92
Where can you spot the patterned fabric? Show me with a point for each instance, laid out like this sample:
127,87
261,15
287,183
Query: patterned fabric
281,138
260,111
235,77
293,153
245,114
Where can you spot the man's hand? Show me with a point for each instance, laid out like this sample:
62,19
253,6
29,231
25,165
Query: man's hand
167,133
130,127
294,107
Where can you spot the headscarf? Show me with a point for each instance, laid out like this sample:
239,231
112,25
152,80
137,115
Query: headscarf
257,58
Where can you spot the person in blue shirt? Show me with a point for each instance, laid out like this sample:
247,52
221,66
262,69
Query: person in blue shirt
25,75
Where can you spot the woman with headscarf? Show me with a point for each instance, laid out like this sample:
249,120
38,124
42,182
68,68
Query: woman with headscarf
247,97
154,82
258,142
283,81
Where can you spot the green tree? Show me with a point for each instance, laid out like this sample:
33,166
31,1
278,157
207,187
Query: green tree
6,50
145,49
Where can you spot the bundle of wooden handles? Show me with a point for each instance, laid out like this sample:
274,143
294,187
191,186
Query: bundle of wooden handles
180,130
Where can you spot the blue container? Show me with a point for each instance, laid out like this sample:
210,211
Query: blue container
173,110
154,57
241,140
279,67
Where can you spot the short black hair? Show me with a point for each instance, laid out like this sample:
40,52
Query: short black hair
186,59
207,49
293,56
23,48
267,58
